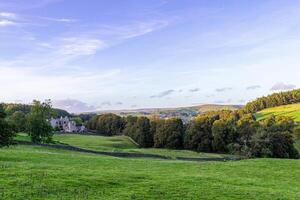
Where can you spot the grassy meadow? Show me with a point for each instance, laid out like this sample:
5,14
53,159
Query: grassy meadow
29,172
291,110
122,144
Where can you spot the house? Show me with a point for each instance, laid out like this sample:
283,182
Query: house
64,124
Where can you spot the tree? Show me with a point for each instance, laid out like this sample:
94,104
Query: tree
108,124
38,118
77,120
198,136
138,128
169,134
274,138
18,121
6,134
224,134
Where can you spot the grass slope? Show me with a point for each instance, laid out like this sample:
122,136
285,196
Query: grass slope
123,144
41,173
292,110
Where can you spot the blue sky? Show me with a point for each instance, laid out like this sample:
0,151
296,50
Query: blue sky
125,54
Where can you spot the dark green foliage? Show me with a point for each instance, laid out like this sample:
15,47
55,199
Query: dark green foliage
198,135
39,128
24,108
139,129
273,144
85,117
18,121
6,133
224,134
169,134
107,124
273,100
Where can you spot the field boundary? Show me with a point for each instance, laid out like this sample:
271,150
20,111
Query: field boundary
126,155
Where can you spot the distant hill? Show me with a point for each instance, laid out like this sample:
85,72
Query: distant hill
185,113
291,110
10,108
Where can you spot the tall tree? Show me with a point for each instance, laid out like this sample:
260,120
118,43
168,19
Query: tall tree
169,134
38,118
18,121
6,134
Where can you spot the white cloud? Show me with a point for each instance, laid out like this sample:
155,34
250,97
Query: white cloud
8,15
283,86
5,22
79,46
163,94
73,105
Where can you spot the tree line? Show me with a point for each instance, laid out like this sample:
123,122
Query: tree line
215,132
34,121
273,100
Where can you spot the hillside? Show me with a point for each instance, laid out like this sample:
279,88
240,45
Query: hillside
291,110
185,113
30,172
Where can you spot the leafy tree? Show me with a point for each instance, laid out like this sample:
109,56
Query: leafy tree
107,124
39,127
6,134
273,100
274,139
198,135
18,121
77,120
169,134
138,128
224,134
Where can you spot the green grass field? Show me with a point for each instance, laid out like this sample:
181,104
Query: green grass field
40,173
123,144
292,110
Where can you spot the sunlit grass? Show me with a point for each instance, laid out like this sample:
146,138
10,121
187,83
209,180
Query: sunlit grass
292,110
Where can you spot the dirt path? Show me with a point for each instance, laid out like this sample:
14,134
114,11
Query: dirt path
124,154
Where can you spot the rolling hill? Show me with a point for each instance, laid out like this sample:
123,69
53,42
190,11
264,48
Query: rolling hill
35,172
291,110
185,113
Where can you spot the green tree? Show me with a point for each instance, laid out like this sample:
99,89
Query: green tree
224,134
138,128
18,121
198,136
169,134
6,133
38,118
109,124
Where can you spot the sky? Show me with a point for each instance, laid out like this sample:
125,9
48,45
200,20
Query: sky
128,54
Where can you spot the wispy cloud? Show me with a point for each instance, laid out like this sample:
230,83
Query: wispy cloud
253,87
163,94
283,86
78,46
223,89
195,90
8,15
5,22
106,103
